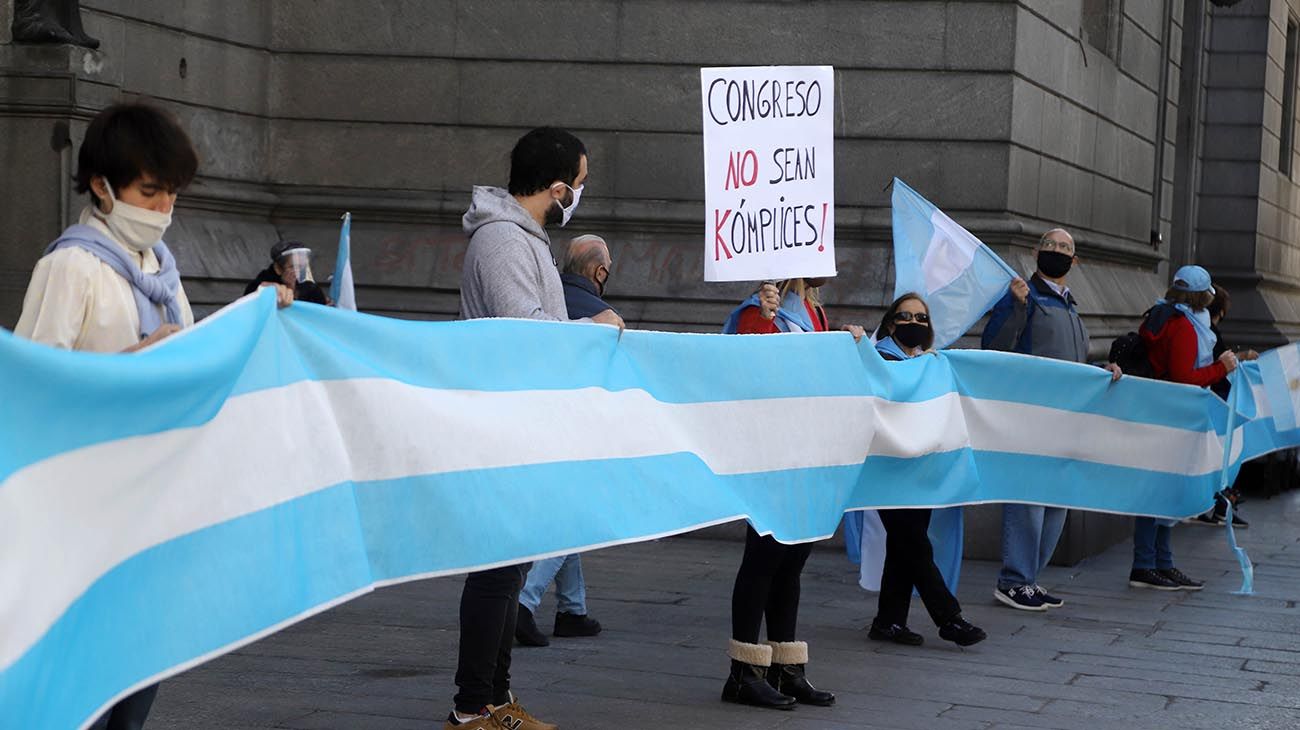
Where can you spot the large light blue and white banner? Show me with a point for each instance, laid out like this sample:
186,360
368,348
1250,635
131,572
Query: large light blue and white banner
960,277
159,509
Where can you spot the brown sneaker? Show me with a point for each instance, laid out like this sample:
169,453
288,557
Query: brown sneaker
514,717
482,722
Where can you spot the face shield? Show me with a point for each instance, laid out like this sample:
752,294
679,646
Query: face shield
294,266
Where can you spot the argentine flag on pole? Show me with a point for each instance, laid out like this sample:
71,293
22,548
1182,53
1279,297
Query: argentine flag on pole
341,290
958,275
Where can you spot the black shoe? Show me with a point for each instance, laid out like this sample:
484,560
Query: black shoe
1024,598
747,685
895,633
572,624
1048,599
1213,519
1180,579
526,631
961,632
1154,579
1237,522
789,679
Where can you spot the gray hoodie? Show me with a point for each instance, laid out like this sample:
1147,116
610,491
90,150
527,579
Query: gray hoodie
509,270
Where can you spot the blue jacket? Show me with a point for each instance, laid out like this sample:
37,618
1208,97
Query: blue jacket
580,297
1047,325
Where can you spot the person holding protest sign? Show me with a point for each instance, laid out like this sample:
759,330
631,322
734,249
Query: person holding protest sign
109,283
767,583
1179,345
509,272
905,332
1038,317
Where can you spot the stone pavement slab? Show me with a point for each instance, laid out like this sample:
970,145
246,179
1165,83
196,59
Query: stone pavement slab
1113,657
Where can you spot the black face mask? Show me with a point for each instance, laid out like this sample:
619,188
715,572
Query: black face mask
1054,264
911,334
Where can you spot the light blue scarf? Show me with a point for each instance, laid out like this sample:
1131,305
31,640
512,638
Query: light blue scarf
792,316
1205,337
150,289
888,345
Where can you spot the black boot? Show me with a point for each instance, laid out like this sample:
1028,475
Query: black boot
526,631
789,679
786,675
747,685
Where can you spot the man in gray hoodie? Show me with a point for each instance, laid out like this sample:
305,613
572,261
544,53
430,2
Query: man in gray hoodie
510,272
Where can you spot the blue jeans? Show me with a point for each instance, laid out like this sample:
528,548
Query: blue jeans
1151,545
570,588
1029,536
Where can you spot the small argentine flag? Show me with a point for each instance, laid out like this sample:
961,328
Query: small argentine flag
341,290
1280,371
958,275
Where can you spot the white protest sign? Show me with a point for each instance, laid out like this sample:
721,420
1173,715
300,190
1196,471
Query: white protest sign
769,172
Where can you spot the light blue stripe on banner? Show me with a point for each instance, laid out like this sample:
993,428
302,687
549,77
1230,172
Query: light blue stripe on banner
251,347
183,384
213,588
184,599
1080,388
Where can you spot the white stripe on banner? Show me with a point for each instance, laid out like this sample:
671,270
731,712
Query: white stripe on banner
251,456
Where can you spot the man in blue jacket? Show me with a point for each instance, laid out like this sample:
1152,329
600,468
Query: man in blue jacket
584,275
1038,317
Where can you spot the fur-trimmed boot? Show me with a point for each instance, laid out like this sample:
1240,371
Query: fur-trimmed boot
747,683
786,675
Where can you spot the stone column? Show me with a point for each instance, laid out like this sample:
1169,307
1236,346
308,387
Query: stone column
44,107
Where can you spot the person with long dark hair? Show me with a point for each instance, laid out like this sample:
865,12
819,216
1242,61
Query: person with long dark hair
905,332
767,583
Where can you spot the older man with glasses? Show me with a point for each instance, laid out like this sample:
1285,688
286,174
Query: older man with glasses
1038,317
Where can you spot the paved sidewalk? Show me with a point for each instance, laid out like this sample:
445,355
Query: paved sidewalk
1113,657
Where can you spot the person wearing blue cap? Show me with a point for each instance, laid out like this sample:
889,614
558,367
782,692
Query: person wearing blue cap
1179,344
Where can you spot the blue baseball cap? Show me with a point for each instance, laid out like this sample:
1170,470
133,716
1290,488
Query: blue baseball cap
1192,278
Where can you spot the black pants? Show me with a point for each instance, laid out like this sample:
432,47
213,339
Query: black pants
909,563
767,584
129,713
489,604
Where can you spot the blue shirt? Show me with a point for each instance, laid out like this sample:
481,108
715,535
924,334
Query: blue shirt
580,297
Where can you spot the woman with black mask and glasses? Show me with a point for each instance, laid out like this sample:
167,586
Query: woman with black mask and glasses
905,333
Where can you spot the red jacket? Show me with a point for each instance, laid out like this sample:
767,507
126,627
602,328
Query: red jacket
1171,349
752,322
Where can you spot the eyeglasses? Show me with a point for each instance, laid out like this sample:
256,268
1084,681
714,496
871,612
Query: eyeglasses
1058,246
920,317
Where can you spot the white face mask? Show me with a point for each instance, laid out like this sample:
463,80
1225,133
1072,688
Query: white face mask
139,229
568,212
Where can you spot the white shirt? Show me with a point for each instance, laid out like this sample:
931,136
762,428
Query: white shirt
1063,291
78,302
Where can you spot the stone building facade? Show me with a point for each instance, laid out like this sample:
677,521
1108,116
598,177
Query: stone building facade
1158,131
